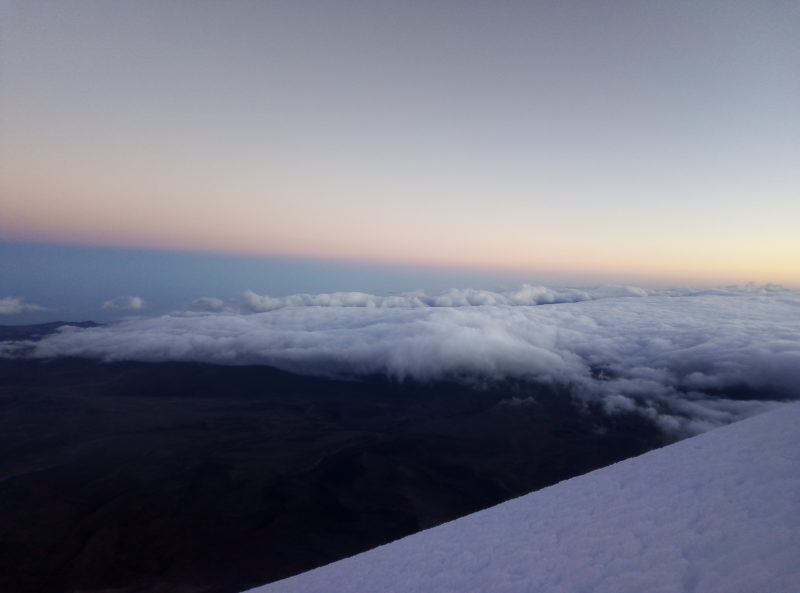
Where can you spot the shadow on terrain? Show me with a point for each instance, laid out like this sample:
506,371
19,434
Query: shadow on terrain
194,477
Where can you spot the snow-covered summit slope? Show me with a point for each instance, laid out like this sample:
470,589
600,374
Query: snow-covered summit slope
719,512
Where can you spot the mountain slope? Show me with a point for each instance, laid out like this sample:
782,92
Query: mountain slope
719,512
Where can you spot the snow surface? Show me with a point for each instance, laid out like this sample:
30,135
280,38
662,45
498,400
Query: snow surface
719,512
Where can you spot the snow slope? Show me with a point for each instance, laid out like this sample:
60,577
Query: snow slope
719,512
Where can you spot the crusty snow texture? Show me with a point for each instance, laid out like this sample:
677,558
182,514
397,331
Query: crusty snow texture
717,513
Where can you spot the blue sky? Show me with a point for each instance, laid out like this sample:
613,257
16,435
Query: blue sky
74,281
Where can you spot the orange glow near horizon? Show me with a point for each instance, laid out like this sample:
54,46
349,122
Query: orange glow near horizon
612,261
152,210
398,138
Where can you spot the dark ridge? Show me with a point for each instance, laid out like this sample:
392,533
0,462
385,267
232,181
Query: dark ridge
156,477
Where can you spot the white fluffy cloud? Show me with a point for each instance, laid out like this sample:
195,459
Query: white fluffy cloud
207,304
125,303
526,295
687,359
15,305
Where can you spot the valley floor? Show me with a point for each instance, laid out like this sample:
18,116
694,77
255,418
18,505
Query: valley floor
717,513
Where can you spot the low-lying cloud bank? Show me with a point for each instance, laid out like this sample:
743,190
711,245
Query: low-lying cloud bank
524,296
207,304
125,303
16,305
689,360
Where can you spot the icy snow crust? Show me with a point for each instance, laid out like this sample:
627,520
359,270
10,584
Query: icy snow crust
719,512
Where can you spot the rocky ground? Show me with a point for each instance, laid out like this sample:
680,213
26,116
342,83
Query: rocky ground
145,477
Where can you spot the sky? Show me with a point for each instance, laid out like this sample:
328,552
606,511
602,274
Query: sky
645,142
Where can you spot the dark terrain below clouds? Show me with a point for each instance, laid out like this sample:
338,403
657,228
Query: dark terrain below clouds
207,452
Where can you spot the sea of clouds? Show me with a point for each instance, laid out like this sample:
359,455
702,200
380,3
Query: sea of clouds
687,359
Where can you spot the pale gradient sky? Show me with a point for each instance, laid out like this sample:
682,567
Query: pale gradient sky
641,139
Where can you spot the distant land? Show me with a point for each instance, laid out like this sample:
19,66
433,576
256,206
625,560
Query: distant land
181,476
38,330
714,514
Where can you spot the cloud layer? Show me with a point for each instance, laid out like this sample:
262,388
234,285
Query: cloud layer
16,305
524,296
125,303
688,360
207,304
